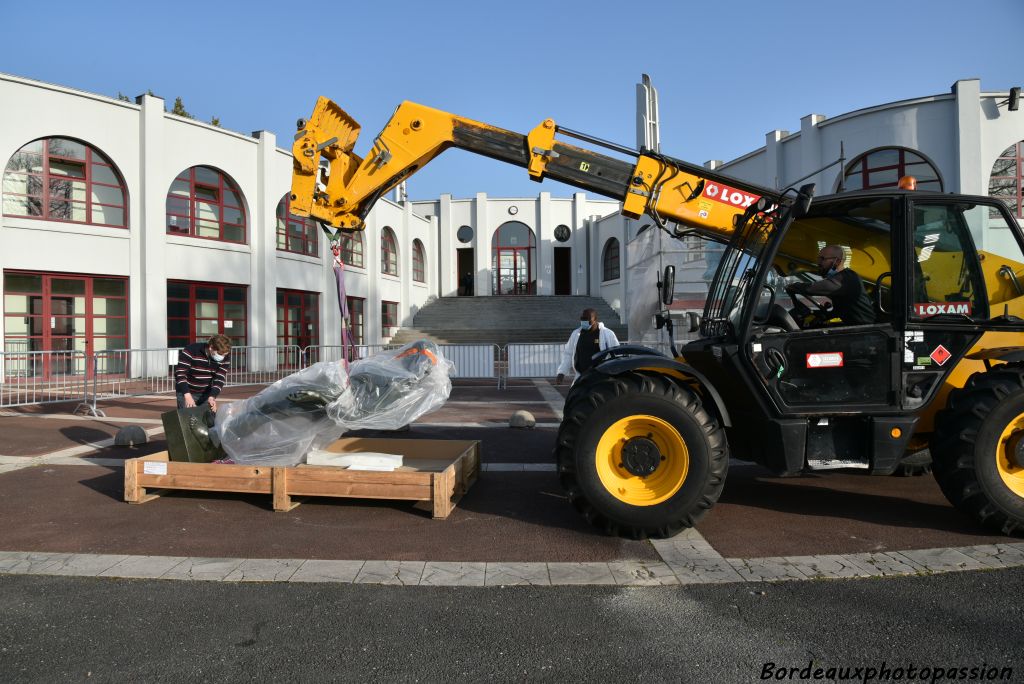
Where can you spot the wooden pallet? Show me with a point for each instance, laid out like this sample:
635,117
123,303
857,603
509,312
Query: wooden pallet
438,471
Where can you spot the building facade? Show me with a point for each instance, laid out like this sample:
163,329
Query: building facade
124,226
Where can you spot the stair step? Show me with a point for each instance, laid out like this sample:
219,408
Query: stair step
504,320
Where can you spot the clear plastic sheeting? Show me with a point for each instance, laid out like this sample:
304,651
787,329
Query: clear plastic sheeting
642,255
312,408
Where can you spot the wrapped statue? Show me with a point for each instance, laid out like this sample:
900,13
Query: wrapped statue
313,407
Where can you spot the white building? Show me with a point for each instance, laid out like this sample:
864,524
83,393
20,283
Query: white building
125,226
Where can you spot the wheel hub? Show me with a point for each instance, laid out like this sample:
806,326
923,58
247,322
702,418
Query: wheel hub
1016,453
641,456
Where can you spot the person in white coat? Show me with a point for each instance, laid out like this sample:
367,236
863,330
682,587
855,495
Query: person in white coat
585,341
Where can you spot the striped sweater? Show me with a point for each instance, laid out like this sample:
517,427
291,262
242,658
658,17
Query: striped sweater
197,373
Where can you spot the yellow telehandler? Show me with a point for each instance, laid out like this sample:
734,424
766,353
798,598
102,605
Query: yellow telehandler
935,360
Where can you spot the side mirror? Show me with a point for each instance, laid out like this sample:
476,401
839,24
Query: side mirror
803,200
668,285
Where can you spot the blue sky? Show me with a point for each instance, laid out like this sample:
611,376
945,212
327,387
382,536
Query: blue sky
727,73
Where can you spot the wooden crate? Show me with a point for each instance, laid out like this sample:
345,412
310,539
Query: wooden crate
438,471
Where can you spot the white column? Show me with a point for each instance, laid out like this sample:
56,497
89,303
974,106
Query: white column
447,275
148,286
263,246
545,244
774,168
812,157
581,238
405,238
972,176
482,231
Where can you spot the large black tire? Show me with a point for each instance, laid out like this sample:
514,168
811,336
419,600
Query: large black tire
695,454
976,449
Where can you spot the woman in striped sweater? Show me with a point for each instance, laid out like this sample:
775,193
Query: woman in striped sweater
201,371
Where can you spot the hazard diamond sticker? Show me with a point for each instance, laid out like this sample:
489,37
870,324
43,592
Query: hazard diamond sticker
825,360
941,355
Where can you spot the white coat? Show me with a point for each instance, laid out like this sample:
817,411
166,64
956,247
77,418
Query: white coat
606,339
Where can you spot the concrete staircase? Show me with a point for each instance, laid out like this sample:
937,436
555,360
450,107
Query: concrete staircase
500,320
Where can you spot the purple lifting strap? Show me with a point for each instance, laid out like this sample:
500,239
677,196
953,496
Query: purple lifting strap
339,276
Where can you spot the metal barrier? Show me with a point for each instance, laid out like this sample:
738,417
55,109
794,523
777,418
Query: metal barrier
324,352
43,377
138,372
533,360
541,360
474,360
471,360
262,365
39,377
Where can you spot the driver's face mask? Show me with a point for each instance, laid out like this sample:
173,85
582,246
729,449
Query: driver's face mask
822,270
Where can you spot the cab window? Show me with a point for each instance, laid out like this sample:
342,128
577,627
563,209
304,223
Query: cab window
967,262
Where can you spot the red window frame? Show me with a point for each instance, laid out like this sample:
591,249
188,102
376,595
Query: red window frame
182,209
610,267
419,266
224,295
388,252
388,317
357,318
503,243
298,318
861,169
352,248
46,316
1011,159
46,183
296,234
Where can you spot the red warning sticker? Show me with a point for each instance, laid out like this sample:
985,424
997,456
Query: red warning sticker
825,360
726,195
941,355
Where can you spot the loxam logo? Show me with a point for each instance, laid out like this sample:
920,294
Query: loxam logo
726,195
936,308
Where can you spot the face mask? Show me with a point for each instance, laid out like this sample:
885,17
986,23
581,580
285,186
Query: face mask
831,272
584,325
217,357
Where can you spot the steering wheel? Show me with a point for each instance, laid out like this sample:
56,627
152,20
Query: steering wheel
806,305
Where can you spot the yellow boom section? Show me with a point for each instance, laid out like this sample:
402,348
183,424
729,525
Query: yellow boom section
334,185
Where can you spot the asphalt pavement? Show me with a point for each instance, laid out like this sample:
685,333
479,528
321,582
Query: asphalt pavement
97,630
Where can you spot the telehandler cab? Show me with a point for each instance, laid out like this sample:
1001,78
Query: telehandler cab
645,442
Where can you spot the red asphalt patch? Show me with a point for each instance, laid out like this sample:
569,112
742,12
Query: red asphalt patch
506,517
834,512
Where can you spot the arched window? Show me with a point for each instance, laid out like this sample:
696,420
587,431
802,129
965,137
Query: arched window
205,203
352,248
1005,180
65,180
419,262
388,252
883,168
296,234
513,256
610,260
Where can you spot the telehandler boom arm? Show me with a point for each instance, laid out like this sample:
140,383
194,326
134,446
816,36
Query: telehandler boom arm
335,186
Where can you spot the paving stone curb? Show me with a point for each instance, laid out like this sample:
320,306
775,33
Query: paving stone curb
698,565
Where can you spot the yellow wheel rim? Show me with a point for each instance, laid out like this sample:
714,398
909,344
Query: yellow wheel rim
1010,444
642,460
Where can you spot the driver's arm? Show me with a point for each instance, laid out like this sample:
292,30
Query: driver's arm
825,287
